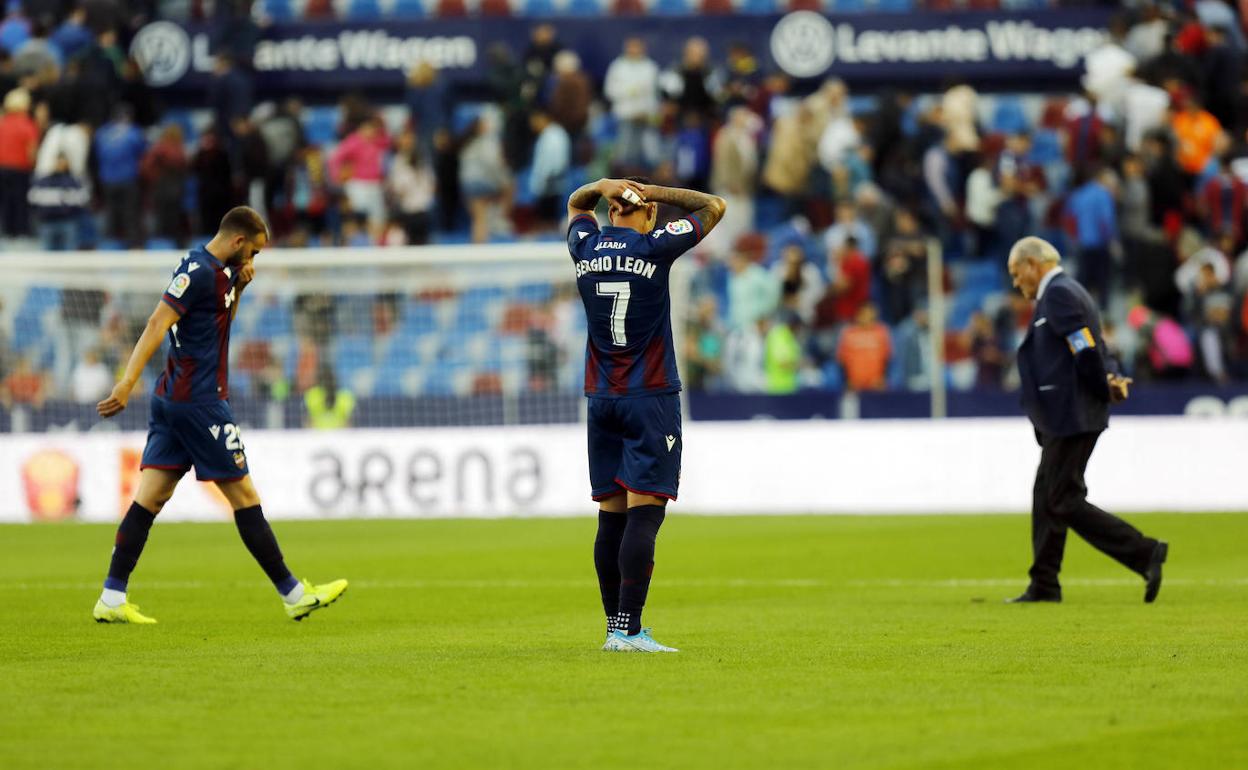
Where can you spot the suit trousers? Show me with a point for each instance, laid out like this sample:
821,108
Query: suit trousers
1059,502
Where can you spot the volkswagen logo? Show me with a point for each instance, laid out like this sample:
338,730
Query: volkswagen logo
802,44
163,52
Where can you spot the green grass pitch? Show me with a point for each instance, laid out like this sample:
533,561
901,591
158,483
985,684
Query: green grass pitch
807,642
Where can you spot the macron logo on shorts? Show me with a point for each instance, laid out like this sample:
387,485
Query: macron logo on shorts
671,442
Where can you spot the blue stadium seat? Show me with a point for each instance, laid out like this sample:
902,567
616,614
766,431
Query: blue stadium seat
278,10
534,293
276,320
1009,117
161,244
539,8
440,379
351,355
463,115
408,9
320,124
28,328
362,10
585,8
894,6
846,6
110,244
419,318
1046,147
670,7
832,377
758,6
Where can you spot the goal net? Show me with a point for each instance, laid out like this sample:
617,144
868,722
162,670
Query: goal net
364,338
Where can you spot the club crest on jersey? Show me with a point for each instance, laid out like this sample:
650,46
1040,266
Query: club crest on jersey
239,459
181,282
679,227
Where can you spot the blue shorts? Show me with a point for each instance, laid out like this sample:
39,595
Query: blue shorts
205,436
634,445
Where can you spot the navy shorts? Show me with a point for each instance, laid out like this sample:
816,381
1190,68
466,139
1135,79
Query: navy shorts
205,436
634,445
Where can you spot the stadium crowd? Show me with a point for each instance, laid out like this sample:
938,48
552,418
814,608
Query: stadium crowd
818,276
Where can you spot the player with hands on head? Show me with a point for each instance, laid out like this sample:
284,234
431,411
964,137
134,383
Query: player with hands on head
634,421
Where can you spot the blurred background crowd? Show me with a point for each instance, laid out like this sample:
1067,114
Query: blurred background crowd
818,277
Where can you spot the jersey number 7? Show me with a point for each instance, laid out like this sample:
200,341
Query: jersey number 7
621,292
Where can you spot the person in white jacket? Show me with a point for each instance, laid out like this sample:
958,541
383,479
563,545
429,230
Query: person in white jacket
632,87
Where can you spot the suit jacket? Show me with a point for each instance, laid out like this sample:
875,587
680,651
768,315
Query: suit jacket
1062,363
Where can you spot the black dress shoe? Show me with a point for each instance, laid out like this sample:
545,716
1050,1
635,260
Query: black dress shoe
1032,596
1153,573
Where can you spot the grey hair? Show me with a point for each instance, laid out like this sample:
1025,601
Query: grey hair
1035,249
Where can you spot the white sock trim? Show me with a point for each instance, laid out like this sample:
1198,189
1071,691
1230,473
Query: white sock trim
295,594
113,598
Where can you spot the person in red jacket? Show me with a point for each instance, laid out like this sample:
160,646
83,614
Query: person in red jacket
19,139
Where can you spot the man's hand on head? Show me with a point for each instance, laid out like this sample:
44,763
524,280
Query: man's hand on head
617,188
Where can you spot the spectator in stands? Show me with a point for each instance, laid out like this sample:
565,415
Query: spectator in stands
358,165
704,346
548,179
213,180
283,137
231,95
849,288
734,171
1145,108
692,84
840,138
1221,65
328,406
1088,136
632,87
913,351
446,149
904,267
849,225
15,29
1094,222
791,151
1021,183
1165,352
72,36
484,179
37,58
25,385
982,199
1166,184
1198,133
119,148
1204,268
1215,339
59,201
692,153
19,140
165,171
987,352
959,109
91,380
411,186
742,76
539,60
99,78
753,293
1222,205
801,283
571,94
782,354
864,351
427,104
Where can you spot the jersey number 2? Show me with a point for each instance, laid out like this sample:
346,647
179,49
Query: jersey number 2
621,292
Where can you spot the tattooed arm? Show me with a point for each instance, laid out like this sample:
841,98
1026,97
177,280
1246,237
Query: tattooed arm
586,198
709,209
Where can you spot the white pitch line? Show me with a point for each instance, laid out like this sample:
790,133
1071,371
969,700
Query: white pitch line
518,583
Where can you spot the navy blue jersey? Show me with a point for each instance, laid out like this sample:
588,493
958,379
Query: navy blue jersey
623,279
202,293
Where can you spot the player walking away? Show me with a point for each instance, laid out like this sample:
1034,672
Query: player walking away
631,380
190,422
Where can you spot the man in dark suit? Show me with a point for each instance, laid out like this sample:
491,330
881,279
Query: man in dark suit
1068,381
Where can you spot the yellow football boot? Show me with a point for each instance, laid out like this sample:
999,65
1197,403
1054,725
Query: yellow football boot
315,598
125,613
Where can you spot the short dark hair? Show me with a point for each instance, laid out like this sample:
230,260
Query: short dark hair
245,221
